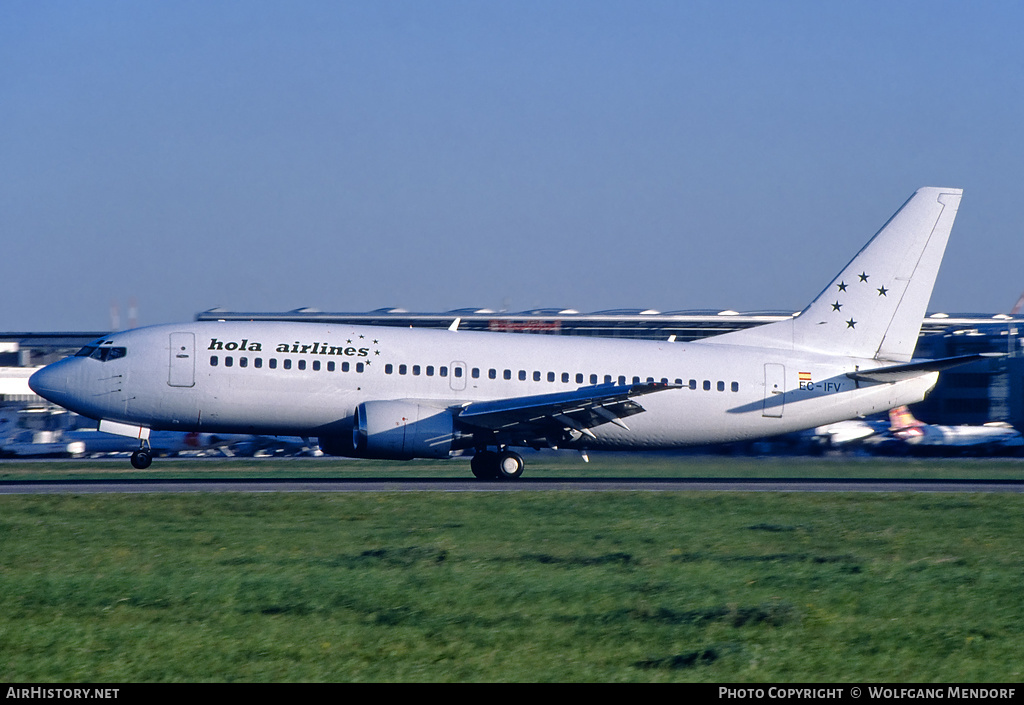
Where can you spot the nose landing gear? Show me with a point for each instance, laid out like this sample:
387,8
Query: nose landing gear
143,457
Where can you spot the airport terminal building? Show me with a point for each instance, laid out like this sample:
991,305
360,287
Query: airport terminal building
977,393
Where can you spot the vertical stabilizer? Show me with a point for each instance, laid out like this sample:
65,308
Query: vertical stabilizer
900,419
874,306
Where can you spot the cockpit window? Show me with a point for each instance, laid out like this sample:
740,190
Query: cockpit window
102,354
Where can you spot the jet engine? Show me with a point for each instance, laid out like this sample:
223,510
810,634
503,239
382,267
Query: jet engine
396,430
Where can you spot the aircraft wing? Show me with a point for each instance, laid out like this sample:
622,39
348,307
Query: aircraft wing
580,409
895,373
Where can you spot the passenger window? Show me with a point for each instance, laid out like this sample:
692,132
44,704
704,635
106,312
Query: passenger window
430,370
442,371
636,380
345,368
457,371
213,361
258,363
273,363
707,385
288,364
402,369
492,373
607,379
229,361
359,367
388,368
416,369
330,366
622,380
565,378
579,378
536,376
243,362
507,374
693,384
302,364
593,379
721,386
735,386
316,365
476,373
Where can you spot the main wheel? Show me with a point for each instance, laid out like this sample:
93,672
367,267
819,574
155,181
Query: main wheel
141,459
510,465
484,465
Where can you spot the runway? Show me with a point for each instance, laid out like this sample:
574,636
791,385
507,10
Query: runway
523,485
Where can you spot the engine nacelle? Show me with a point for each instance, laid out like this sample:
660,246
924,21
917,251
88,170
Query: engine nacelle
396,430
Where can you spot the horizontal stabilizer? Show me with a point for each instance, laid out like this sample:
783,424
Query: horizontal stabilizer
895,373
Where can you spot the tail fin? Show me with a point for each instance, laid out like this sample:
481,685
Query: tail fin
874,307
1018,306
900,418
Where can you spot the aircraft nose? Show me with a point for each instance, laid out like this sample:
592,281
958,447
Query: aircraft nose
51,383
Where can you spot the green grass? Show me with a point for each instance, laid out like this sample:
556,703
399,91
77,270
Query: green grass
546,465
559,586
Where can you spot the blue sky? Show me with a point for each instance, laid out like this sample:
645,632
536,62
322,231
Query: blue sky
434,155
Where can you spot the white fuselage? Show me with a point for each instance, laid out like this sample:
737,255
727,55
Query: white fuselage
307,379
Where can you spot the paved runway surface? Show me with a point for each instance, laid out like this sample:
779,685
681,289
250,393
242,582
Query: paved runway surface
523,485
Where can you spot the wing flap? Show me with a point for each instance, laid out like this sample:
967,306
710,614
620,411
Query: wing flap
580,409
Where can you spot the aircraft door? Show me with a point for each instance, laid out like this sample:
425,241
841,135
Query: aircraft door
457,376
183,360
774,390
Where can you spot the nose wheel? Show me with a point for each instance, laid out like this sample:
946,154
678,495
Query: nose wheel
142,458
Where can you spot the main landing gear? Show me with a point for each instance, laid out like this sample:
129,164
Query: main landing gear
503,465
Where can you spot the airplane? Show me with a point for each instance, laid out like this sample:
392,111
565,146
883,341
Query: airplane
846,433
996,436
403,393
277,446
